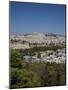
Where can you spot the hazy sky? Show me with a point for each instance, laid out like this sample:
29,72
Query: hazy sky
34,17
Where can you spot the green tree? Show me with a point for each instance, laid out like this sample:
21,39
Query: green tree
15,58
22,78
39,55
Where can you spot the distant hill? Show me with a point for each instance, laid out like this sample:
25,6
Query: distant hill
55,35
41,34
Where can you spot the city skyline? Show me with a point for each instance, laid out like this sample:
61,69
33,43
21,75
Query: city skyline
36,17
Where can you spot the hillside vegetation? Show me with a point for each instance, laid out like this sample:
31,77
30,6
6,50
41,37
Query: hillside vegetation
27,74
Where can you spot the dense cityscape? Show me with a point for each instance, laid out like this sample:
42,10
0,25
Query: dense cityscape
35,39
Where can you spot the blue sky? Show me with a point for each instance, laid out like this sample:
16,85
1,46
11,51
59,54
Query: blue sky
35,17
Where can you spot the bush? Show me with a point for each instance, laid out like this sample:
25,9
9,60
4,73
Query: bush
21,78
